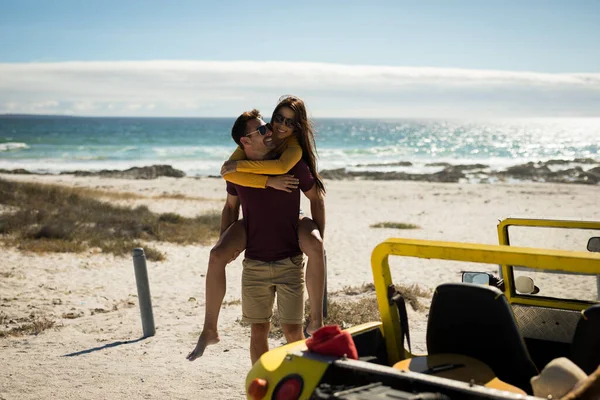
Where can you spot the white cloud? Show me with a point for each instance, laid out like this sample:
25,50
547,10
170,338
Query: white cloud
213,88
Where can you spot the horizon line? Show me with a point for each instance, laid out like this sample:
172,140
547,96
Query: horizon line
66,116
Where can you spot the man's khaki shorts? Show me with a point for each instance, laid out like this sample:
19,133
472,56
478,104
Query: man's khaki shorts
262,279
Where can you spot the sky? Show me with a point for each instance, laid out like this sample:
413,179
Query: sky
527,58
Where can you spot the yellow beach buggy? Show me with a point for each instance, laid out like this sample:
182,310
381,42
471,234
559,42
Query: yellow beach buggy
482,343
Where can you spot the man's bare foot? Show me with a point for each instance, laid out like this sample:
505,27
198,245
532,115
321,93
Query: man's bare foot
313,326
207,337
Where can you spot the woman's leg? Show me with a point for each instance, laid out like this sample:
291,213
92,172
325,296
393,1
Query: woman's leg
231,243
311,244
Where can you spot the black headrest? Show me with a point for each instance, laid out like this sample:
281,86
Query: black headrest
471,297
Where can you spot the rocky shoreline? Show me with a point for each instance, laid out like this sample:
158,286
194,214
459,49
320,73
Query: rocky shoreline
578,171
481,173
151,172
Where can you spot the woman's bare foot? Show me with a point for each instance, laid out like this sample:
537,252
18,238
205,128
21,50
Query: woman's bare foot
207,337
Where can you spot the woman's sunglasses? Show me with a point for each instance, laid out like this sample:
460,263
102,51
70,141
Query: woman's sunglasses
261,129
280,119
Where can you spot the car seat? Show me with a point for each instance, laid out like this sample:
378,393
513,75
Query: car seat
477,321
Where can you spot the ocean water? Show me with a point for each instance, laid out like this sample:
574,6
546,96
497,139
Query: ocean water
198,146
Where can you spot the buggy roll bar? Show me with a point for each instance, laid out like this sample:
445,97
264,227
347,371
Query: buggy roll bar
548,259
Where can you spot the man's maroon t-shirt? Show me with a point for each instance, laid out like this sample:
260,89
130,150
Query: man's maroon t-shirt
271,217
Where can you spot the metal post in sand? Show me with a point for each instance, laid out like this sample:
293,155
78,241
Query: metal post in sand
143,289
325,304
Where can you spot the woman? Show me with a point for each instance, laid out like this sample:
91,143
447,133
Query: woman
293,130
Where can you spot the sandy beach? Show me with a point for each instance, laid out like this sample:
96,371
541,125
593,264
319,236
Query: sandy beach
94,351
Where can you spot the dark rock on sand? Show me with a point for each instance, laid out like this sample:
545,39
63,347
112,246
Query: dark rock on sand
528,171
586,161
438,164
594,171
576,160
592,176
334,174
151,172
18,171
539,172
557,162
451,173
394,164
447,175
469,167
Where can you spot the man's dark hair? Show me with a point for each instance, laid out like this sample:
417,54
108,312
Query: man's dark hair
239,126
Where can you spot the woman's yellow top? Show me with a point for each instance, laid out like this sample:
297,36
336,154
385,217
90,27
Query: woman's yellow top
248,172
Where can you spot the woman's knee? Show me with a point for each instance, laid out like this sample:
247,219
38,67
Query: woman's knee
220,254
309,237
231,243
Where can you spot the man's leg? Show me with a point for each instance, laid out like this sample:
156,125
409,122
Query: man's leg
289,284
311,244
258,295
230,244
259,340
292,332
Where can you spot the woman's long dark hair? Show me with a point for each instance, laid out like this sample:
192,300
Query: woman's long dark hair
305,133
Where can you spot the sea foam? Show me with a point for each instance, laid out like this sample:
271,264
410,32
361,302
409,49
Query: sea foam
13,146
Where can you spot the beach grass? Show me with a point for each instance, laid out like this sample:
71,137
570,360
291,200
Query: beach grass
33,326
410,293
112,195
395,225
51,218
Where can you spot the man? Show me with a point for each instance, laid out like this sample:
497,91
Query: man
274,262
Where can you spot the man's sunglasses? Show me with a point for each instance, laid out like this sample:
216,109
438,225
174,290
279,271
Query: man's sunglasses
261,129
280,119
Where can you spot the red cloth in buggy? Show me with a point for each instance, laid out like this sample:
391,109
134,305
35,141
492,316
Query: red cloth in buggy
332,341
